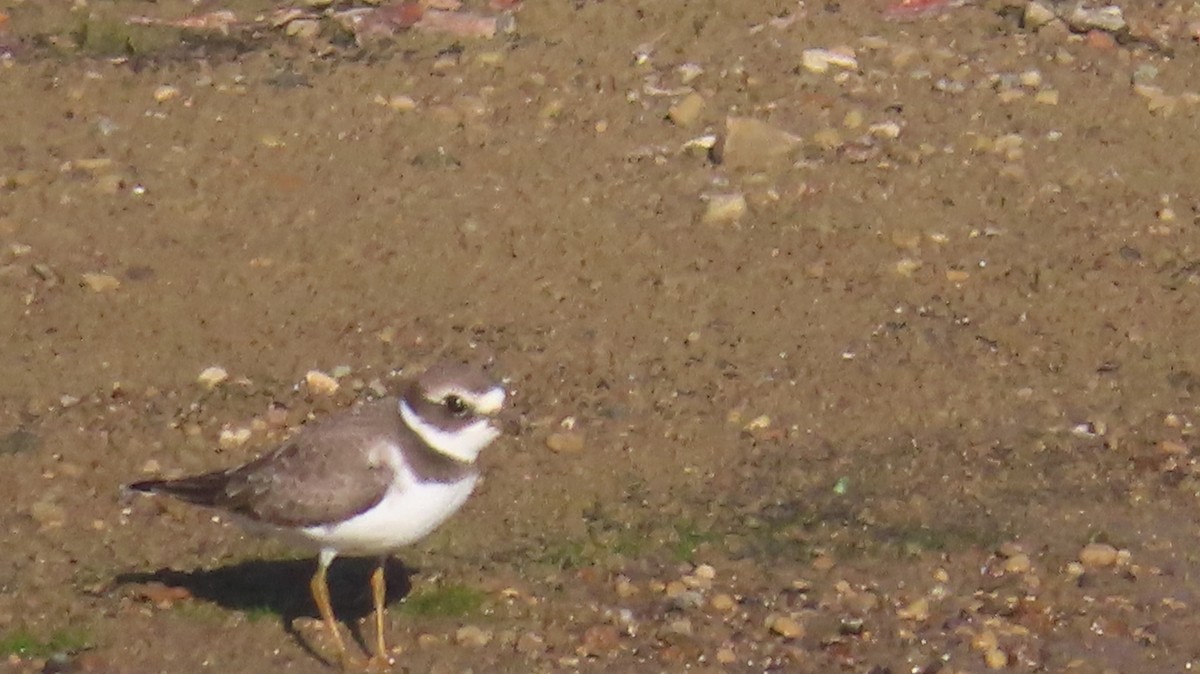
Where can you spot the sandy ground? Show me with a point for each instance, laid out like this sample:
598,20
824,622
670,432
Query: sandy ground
924,402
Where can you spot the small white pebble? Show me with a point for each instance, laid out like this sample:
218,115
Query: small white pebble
760,422
819,60
320,383
166,93
212,376
232,438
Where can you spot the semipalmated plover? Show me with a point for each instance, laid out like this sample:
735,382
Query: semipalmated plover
364,481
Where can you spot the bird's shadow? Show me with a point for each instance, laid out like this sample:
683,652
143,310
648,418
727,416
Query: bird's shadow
281,587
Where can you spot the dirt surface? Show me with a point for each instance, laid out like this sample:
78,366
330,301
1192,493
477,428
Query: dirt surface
917,396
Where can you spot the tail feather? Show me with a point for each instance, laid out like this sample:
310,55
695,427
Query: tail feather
204,489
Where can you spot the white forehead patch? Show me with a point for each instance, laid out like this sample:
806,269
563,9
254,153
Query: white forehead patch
490,402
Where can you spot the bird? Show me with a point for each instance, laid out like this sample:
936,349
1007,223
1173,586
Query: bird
364,481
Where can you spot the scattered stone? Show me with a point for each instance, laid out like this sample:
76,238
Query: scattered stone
377,389
625,589
19,441
471,635
88,165
819,60
47,273
860,602
1037,15
785,626
320,383
401,103
565,442
212,377
748,142
1018,564
758,423
303,29
988,644
166,93
995,658
726,655
553,109
232,438
599,640
1097,556
1168,447
1011,145
705,572
689,72
1010,95
886,130
1107,19
828,138
1101,40
491,58
725,208
681,626
1046,97
48,514
687,111
1157,100
99,283
906,267
723,602
688,599
917,610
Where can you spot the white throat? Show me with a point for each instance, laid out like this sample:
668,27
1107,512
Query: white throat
462,445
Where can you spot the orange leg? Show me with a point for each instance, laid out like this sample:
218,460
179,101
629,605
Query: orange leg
320,593
379,594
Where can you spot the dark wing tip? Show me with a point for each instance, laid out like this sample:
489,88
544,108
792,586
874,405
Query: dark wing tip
145,486
200,489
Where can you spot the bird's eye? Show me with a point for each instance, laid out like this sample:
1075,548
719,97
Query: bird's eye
455,405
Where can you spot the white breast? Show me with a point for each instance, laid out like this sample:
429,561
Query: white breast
408,512
404,516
